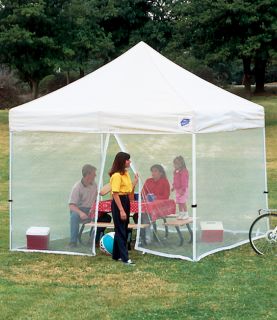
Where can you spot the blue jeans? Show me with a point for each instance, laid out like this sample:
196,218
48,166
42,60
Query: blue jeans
75,220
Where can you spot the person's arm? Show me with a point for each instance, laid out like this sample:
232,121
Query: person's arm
73,200
74,208
105,189
184,181
165,189
134,183
123,215
173,187
144,190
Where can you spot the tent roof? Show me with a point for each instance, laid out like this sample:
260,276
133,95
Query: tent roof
139,92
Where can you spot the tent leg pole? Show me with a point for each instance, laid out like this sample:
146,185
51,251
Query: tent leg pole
194,204
104,148
265,170
10,185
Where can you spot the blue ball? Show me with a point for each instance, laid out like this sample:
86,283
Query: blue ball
106,243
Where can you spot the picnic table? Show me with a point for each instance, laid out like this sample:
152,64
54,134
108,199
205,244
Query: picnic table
155,209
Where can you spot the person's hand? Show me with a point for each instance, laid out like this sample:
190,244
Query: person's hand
83,216
123,215
136,178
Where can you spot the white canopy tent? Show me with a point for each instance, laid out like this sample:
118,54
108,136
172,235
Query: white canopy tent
147,105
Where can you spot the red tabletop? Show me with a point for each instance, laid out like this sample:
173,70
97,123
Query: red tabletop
156,209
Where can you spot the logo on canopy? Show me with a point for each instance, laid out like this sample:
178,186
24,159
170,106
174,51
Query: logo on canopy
184,122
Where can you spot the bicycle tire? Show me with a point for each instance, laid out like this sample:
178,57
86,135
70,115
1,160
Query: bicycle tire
261,236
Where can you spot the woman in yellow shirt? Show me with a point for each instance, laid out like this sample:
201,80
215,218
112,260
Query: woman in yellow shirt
121,186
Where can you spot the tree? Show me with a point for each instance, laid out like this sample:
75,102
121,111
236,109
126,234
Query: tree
39,37
131,21
26,39
82,39
158,27
220,30
125,17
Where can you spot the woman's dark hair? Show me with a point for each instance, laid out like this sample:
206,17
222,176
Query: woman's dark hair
160,169
119,163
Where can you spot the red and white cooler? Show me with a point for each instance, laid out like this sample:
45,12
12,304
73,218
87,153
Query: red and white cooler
38,238
211,231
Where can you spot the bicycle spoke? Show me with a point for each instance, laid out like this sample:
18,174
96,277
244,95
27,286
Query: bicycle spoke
263,235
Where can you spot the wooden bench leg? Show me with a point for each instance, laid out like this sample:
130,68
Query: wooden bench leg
180,235
155,233
82,229
91,233
154,224
190,232
165,228
80,233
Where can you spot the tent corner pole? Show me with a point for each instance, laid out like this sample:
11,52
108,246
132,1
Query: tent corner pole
265,170
10,185
104,146
194,201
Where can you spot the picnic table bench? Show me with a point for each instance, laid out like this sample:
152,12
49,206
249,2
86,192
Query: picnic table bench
177,223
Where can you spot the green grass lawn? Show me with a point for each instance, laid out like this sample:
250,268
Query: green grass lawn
235,284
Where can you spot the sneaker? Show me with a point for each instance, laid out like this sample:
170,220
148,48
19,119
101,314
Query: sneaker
179,217
182,216
129,263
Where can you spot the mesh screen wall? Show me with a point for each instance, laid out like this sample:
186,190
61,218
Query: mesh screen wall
230,184
229,175
146,151
45,166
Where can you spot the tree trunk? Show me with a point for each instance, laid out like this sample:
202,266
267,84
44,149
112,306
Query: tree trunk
247,74
82,72
260,66
67,77
34,88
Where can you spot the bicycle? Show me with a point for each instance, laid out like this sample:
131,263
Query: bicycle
263,233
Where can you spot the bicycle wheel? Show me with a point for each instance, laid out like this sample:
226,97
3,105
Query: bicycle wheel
263,234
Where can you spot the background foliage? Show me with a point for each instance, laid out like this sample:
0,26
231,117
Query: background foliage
221,41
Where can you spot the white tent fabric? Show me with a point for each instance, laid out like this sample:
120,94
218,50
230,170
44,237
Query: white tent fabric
139,92
146,105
